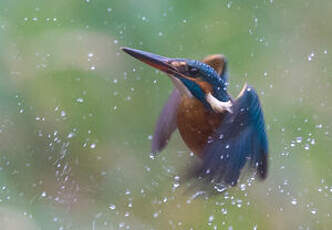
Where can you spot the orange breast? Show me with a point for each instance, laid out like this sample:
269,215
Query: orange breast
196,124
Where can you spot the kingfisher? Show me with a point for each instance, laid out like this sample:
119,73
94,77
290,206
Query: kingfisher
226,133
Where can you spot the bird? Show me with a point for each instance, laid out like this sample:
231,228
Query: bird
225,133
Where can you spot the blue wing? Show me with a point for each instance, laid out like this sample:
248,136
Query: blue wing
166,123
240,138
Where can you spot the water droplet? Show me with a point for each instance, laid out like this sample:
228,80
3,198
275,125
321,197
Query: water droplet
71,135
62,113
155,215
313,141
127,192
93,145
80,100
311,56
220,188
152,156
298,139
176,185
224,211
229,4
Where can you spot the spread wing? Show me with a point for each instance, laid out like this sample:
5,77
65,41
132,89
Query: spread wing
166,123
240,138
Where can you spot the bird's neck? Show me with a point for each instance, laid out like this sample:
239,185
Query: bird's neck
181,87
220,92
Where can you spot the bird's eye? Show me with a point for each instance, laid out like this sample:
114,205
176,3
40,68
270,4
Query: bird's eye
193,71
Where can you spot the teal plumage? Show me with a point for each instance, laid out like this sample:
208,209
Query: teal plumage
225,133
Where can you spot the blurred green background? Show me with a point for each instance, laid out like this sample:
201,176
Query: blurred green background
77,114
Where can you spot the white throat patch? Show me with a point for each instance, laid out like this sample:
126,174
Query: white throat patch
219,106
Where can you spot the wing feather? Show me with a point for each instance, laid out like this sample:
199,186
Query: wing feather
240,138
166,123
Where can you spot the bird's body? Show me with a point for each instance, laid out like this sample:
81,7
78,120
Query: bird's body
223,132
196,124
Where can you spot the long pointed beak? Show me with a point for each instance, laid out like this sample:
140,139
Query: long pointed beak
154,60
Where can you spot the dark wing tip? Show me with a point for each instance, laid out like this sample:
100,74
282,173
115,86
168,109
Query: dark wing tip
262,168
158,144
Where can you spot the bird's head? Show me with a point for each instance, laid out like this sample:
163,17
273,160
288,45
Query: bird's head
191,77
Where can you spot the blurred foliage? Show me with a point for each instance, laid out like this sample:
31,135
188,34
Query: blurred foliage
77,115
